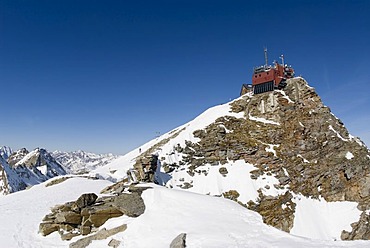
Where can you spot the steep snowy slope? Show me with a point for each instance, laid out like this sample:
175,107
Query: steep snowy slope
207,221
282,154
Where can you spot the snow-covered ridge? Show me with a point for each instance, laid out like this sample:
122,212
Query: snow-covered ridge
182,134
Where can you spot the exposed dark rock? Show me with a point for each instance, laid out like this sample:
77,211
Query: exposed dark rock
129,204
223,171
186,185
145,167
179,241
86,200
276,211
232,195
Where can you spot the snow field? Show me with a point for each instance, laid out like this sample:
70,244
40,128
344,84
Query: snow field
319,219
22,212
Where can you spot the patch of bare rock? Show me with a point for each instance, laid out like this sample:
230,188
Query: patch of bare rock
179,241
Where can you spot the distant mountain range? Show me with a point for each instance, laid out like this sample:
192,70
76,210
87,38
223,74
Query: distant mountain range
22,169
81,162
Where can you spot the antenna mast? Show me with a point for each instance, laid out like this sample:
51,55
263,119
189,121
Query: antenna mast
265,50
282,59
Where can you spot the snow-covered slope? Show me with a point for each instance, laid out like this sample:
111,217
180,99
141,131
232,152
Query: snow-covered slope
80,161
240,150
116,170
207,221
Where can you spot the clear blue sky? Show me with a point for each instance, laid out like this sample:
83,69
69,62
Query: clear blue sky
107,76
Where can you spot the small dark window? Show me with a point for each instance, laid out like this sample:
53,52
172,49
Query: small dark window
267,73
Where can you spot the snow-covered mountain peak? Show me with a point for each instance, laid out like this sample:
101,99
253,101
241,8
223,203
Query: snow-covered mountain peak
5,152
16,156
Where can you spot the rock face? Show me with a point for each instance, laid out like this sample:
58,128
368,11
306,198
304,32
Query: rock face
144,168
24,169
88,213
17,156
288,135
179,241
79,162
360,229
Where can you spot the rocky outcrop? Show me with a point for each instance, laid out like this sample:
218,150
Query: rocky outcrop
276,211
144,168
147,163
88,213
179,241
360,229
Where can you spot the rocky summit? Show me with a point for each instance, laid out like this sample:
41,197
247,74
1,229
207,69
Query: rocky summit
266,152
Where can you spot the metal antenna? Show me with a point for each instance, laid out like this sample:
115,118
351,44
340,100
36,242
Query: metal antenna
282,59
265,50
